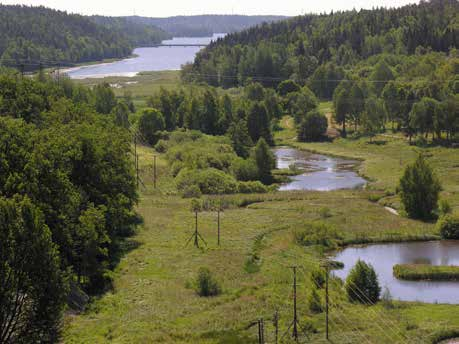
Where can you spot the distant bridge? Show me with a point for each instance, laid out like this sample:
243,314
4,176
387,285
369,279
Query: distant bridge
178,45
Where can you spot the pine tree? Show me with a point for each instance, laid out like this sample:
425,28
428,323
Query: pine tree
265,161
362,284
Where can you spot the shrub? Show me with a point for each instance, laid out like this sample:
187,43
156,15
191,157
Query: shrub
209,181
444,208
318,278
206,285
386,299
419,189
265,161
325,212
314,302
318,233
191,191
313,127
245,170
252,187
161,146
362,284
448,226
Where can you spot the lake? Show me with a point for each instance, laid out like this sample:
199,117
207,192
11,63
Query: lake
319,172
383,257
146,59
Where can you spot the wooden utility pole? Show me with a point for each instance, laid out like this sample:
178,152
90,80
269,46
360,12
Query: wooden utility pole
276,326
137,169
218,225
295,315
154,171
261,331
326,301
196,236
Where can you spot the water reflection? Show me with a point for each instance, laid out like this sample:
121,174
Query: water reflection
384,257
320,172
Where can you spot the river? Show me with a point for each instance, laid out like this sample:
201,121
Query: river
318,172
146,59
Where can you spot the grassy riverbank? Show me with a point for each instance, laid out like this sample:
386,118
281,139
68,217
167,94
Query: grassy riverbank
425,272
384,159
152,300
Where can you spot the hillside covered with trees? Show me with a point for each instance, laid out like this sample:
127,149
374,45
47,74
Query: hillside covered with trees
138,34
31,34
204,25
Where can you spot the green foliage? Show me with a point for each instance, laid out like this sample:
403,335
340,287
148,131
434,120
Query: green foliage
33,288
314,302
56,36
206,284
313,127
258,123
419,189
209,181
426,272
251,187
318,233
151,123
105,100
265,161
121,112
362,284
287,86
245,170
444,208
448,226
380,76
318,278
241,141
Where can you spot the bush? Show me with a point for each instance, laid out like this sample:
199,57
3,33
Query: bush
362,284
318,278
245,170
209,181
206,285
151,122
448,226
419,189
252,187
313,127
444,208
191,191
318,233
161,146
314,302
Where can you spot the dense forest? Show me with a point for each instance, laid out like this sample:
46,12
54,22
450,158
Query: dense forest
204,25
67,192
32,34
381,66
138,34
295,48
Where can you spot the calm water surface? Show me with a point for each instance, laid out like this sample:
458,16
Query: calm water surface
147,59
321,172
383,257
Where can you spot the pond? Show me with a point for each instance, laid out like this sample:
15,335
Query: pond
318,172
146,59
383,257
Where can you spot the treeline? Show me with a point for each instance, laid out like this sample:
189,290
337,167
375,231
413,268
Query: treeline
204,25
140,35
296,48
67,196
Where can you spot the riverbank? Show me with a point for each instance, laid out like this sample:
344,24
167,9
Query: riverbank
383,163
426,272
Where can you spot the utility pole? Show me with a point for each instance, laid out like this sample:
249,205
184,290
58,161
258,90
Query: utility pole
295,318
137,169
326,301
276,326
22,69
196,236
154,171
261,331
218,224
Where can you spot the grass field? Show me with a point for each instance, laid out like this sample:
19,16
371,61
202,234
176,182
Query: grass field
153,301
425,272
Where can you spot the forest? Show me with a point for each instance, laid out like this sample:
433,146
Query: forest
379,66
33,35
204,25
67,196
